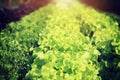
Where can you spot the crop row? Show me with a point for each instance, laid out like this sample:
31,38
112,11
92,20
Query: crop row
61,42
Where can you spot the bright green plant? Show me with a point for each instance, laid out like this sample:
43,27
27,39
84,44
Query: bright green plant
103,32
16,41
67,42
64,53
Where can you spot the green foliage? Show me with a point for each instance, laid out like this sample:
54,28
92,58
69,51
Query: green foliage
67,42
64,53
70,46
16,42
103,32
116,44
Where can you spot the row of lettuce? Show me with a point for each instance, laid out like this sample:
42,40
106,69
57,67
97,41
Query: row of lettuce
16,42
68,42
104,34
